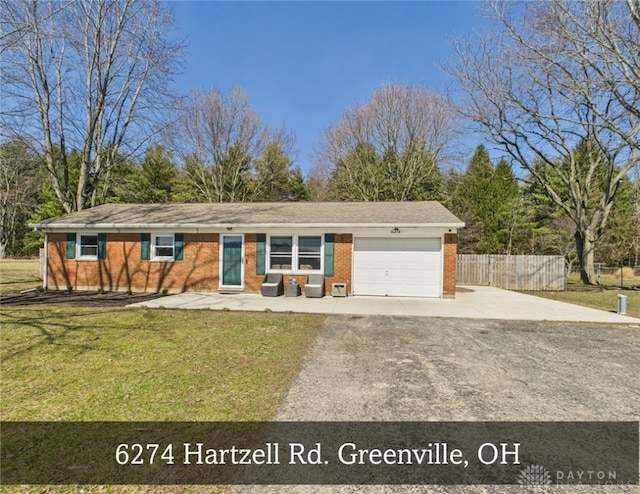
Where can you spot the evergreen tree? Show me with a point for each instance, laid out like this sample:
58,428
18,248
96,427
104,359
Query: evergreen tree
49,206
274,179
488,200
473,203
154,180
510,212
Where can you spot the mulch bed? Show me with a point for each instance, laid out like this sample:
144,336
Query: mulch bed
79,298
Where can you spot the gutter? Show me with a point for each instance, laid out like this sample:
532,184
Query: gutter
46,227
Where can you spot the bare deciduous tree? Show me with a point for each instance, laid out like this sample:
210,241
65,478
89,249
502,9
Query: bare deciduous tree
220,137
89,75
549,76
389,147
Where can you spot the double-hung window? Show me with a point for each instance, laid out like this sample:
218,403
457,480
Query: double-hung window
87,246
309,253
163,248
281,256
295,253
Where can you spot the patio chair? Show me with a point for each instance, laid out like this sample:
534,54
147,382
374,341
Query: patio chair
314,287
272,285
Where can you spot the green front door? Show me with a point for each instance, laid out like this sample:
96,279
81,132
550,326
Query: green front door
232,261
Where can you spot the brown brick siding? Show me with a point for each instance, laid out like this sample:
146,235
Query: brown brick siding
124,270
450,260
343,256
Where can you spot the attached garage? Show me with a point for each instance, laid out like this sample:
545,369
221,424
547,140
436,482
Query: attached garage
397,267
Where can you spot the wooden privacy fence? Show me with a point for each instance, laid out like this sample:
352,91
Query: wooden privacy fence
512,272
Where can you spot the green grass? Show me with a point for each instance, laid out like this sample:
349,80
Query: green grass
19,274
608,281
88,364
604,297
598,299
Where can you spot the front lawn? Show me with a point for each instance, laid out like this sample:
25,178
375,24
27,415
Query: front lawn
61,363
19,274
88,364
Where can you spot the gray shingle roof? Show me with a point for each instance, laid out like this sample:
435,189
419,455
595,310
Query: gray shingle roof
339,214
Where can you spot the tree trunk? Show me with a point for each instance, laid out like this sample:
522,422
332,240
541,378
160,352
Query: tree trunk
585,249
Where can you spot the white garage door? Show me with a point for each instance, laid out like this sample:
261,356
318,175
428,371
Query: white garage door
400,267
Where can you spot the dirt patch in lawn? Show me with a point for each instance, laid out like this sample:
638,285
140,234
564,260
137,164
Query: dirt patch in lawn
78,299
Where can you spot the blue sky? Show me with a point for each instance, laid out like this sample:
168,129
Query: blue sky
302,63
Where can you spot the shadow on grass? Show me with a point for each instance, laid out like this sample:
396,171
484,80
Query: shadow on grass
80,331
50,331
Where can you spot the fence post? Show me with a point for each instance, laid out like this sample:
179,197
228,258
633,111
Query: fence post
491,280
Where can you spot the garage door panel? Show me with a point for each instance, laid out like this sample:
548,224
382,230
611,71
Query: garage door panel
406,290
397,267
398,245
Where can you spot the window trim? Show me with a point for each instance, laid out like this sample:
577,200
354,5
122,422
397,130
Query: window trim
293,256
85,257
295,253
154,244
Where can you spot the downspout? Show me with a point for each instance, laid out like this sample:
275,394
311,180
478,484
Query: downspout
45,277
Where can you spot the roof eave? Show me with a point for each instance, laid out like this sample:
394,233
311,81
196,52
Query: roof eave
48,227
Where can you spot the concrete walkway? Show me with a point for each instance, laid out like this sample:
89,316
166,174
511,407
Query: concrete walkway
477,302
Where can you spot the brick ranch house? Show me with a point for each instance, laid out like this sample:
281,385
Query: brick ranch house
376,248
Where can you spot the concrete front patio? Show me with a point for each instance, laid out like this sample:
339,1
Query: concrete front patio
477,302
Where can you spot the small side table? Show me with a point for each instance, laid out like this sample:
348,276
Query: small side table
292,290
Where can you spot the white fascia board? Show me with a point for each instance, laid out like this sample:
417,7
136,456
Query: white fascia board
204,228
403,232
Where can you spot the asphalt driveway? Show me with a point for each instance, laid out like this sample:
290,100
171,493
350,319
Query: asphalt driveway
406,368
372,368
